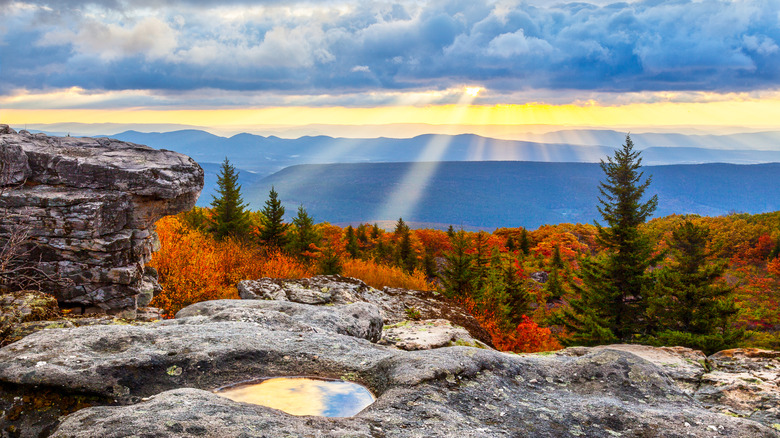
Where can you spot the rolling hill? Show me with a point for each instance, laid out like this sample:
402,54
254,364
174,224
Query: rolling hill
496,194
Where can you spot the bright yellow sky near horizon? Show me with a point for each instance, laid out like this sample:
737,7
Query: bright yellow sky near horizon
748,113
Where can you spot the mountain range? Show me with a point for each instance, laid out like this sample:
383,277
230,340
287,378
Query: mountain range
479,182
495,194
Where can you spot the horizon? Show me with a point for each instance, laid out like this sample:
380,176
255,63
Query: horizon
304,68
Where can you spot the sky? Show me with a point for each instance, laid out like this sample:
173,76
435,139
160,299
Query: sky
464,62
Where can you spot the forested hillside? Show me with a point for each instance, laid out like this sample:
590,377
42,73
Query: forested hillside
709,283
490,195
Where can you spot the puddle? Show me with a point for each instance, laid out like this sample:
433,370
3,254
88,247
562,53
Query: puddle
303,395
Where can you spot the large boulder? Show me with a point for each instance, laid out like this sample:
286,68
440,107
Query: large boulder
90,205
158,380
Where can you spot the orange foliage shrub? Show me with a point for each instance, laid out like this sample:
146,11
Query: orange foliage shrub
380,275
773,267
527,337
194,267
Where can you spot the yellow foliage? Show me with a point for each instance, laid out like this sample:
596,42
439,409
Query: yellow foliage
379,276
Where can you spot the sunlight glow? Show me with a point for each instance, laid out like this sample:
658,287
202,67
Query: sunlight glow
473,91
748,113
404,201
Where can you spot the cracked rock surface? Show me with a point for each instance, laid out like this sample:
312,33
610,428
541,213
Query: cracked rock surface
157,380
91,205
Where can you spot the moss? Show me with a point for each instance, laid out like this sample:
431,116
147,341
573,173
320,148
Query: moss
23,409
350,376
174,370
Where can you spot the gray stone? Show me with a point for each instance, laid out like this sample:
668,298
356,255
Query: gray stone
361,320
744,382
427,334
155,380
395,304
90,205
684,365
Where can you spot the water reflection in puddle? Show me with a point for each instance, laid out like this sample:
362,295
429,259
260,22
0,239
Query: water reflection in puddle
303,396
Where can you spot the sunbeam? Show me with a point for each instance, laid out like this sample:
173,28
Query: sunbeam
404,200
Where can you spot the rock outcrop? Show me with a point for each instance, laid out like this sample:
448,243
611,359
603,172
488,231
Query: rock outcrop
396,306
158,380
91,205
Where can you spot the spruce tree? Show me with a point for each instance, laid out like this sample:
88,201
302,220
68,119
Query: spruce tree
518,301
405,257
689,306
272,231
229,217
525,244
457,277
352,242
303,233
480,260
612,298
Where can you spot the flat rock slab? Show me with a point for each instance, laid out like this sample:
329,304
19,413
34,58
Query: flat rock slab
427,334
685,365
744,382
156,380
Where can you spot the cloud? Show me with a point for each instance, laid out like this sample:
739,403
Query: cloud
351,47
150,37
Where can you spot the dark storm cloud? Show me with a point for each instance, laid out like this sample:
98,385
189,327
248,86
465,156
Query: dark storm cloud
334,47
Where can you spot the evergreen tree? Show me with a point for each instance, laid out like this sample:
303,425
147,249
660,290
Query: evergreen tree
525,244
450,232
272,231
429,264
405,256
511,246
480,260
362,234
303,233
229,217
611,304
553,288
330,262
688,305
352,242
518,301
457,276
556,261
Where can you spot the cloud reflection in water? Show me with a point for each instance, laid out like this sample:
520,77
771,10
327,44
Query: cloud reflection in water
304,396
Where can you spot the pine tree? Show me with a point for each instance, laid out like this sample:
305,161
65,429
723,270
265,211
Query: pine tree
556,259
457,276
303,233
688,305
229,217
553,288
450,232
480,260
511,246
525,244
518,301
405,257
352,242
330,262
611,304
272,231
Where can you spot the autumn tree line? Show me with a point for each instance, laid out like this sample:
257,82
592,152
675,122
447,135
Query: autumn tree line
705,282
